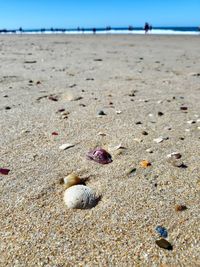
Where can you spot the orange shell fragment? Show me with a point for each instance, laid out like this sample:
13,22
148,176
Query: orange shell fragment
145,163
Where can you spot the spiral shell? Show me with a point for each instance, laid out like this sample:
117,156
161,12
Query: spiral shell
79,197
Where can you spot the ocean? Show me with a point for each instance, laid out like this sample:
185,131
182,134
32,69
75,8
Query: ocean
108,30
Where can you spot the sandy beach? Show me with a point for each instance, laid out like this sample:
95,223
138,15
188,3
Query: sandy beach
149,89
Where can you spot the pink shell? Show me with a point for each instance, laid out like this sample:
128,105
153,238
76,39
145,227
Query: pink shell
99,155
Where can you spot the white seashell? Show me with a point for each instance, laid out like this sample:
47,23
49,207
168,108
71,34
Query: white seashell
191,121
160,139
149,150
65,146
79,197
101,133
118,111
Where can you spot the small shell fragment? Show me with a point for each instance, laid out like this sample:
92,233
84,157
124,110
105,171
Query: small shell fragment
118,111
99,155
191,122
175,155
80,197
163,243
160,139
71,179
65,146
4,171
180,207
145,163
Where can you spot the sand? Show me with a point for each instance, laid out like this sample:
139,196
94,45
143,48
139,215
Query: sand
137,75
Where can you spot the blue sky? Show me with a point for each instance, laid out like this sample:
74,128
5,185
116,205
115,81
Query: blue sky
98,13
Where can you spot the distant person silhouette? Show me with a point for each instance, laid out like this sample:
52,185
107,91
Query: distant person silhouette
146,27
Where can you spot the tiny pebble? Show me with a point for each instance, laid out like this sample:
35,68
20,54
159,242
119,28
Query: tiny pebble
7,108
118,111
144,133
54,133
160,113
162,231
183,108
101,113
138,122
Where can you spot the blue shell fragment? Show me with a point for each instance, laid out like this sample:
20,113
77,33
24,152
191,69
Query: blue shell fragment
162,231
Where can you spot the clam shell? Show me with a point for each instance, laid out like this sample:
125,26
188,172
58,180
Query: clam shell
79,197
71,179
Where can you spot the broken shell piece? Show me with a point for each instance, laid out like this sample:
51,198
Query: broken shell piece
80,197
145,163
118,111
65,146
191,122
120,146
160,139
101,133
99,155
71,179
175,155
4,171
149,150
174,159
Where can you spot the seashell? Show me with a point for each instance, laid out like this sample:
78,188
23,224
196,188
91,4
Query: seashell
162,243
80,197
99,155
160,139
65,146
71,179
118,111
174,159
175,155
4,171
191,122
145,163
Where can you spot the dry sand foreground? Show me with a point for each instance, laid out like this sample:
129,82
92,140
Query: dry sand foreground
138,75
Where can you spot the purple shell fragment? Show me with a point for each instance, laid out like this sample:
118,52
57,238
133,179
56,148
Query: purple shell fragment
99,155
4,171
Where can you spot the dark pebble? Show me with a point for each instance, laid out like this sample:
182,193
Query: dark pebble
183,108
101,112
61,110
160,113
144,133
5,96
180,207
7,108
138,122
163,243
